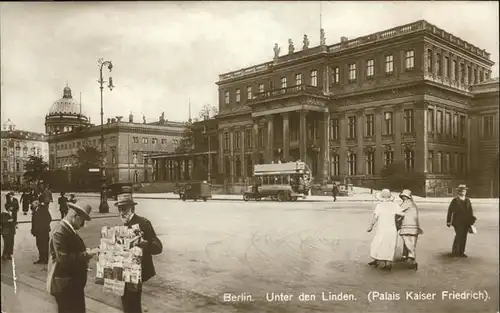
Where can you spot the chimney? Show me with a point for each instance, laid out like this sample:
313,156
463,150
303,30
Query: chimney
343,39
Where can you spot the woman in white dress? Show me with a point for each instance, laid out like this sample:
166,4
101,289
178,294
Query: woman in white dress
383,246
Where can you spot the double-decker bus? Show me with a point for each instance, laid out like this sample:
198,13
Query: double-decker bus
280,181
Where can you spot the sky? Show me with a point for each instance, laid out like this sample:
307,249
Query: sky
169,54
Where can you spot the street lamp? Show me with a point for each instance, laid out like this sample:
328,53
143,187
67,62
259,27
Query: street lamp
209,155
103,207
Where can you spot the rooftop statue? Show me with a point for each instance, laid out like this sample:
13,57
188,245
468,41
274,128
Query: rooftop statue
306,43
276,51
291,47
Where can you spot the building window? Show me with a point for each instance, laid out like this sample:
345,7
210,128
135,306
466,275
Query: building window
430,120
430,162
352,72
463,163
439,163
352,164
249,92
370,68
474,78
455,125
454,165
352,127
461,73
335,170
226,141
237,140
248,138
439,122
261,88
261,138
145,140
454,70
446,162
447,124
336,75
481,76
163,141
113,156
283,82
25,151
369,125
154,141
409,60
462,126
487,126
446,67
388,123
226,97
438,64
134,139
388,157
469,75
389,64
409,160
370,163
298,79
238,95
487,76
134,158
408,120
18,166
314,78
430,61
334,129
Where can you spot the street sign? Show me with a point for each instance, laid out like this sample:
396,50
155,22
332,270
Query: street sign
93,170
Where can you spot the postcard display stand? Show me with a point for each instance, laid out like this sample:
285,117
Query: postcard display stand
119,260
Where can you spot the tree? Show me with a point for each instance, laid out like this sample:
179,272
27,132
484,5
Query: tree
208,111
396,177
88,157
36,169
185,144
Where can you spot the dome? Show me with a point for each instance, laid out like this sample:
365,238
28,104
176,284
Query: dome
66,105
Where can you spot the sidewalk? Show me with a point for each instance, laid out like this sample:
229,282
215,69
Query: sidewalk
353,198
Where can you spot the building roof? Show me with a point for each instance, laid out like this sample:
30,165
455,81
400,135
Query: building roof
485,87
66,105
23,135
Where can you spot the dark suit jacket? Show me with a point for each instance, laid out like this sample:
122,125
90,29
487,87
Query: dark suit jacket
154,246
40,221
68,263
460,212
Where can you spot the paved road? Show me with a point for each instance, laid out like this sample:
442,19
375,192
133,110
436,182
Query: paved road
256,248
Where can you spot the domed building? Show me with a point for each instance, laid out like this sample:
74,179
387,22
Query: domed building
65,115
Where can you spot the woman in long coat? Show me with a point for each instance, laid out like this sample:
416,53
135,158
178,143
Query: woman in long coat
410,228
383,246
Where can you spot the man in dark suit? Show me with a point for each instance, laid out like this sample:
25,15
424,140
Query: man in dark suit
68,261
150,245
40,228
461,217
335,192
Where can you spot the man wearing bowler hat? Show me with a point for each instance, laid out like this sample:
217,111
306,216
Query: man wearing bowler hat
150,245
69,260
461,217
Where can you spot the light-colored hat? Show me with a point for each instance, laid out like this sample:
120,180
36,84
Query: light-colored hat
82,210
462,187
406,193
385,195
124,199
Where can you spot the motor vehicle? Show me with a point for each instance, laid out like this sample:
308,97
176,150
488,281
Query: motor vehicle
196,191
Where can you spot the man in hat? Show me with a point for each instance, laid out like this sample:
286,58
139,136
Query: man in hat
40,229
410,228
12,205
150,245
461,217
69,260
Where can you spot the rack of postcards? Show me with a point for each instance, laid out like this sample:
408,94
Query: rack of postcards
119,263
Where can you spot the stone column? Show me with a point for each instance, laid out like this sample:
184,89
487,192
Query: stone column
360,153
379,152
255,141
343,144
398,129
270,139
324,156
243,158
303,136
286,135
421,151
232,153
471,146
460,73
220,161
466,72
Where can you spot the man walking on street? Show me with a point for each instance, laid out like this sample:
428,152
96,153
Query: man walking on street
410,228
40,229
8,230
69,260
12,205
63,204
150,245
461,217
335,192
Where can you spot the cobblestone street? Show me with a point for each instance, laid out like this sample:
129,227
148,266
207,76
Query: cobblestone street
256,248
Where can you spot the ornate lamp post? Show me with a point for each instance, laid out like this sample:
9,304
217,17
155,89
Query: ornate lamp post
103,207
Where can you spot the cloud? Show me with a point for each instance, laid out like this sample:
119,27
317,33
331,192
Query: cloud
165,53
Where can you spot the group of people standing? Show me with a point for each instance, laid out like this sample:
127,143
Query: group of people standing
393,219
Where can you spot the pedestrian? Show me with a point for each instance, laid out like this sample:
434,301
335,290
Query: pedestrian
410,228
26,200
150,245
63,204
8,230
40,229
461,217
335,191
72,198
12,205
69,261
383,246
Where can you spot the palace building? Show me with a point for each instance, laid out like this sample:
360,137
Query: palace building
17,147
414,94
125,142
